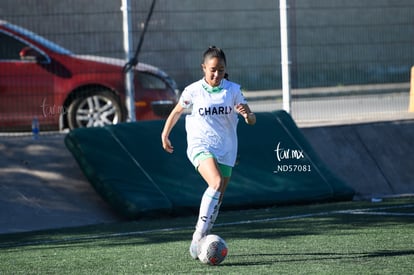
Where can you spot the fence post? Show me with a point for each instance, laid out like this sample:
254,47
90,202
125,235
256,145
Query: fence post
284,46
411,107
129,74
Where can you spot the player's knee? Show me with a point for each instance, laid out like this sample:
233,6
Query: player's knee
216,183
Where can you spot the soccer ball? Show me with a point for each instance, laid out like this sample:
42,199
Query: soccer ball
212,250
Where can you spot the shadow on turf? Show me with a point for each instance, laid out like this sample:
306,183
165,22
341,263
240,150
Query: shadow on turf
165,230
300,257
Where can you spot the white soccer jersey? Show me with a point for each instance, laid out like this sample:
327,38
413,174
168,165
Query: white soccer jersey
212,124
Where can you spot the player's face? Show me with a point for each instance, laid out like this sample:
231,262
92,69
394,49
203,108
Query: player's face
214,70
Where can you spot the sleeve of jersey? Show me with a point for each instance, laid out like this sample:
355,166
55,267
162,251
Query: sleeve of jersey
185,99
239,96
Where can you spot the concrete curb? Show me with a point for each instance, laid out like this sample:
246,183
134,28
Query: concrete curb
352,90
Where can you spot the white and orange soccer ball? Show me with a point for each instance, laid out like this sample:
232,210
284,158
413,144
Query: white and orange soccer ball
212,250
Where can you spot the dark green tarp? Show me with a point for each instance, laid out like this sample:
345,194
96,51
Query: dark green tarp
127,166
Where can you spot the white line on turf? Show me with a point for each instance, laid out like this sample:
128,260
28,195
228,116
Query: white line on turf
380,213
363,211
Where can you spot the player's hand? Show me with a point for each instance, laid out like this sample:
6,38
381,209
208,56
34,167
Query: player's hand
241,109
166,144
244,110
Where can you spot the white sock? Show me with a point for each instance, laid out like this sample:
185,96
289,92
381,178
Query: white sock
208,204
213,217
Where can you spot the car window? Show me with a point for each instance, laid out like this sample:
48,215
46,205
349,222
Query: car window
39,39
10,47
149,81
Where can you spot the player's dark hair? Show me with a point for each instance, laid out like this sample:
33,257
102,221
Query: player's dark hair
212,52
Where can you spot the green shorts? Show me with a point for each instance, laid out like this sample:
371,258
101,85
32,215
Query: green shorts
224,169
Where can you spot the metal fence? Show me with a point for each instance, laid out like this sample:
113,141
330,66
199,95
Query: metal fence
350,48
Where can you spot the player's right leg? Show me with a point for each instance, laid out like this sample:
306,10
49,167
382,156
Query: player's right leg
210,172
226,172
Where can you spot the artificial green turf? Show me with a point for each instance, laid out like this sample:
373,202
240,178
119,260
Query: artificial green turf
325,242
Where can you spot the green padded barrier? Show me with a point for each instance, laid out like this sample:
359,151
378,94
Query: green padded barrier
127,165
115,174
277,164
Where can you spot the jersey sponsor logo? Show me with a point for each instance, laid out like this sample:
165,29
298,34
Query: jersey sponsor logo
220,110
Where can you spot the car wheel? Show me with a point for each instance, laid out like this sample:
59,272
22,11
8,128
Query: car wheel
95,109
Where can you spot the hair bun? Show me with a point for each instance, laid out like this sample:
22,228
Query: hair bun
213,51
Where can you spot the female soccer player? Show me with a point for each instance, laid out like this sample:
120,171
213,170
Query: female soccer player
211,134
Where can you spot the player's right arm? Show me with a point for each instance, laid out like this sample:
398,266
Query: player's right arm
169,124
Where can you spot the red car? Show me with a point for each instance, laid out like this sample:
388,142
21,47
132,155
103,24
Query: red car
62,90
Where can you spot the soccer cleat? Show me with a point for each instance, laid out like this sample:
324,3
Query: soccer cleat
194,250
197,235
